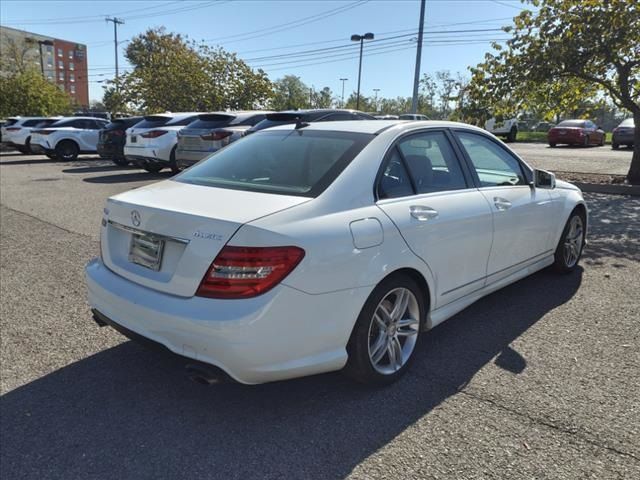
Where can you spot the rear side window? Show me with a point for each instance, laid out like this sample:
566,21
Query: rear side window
286,162
493,164
11,121
32,123
395,181
432,162
211,121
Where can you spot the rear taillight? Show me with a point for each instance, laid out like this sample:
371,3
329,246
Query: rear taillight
244,272
216,135
43,132
153,134
117,133
12,129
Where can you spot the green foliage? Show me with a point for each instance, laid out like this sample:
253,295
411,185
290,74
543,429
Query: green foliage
29,94
323,98
564,54
173,73
290,93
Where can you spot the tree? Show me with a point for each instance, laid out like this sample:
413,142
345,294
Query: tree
323,98
29,94
367,104
290,93
579,43
171,72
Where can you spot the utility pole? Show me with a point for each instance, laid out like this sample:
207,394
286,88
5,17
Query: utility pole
375,102
416,78
361,39
343,80
116,22
311,96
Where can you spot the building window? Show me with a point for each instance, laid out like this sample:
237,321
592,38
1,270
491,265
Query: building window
60,54
71,66
72,88
49,50
49,63
61,76
70,54
50,76
61,86
60,64
72,77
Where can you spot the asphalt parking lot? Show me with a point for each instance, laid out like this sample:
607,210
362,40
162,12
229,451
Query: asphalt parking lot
539,380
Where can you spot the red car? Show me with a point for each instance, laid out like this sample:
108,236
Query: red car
576,132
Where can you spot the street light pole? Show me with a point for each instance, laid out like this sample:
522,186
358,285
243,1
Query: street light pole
416,78
343,80
376,99
361,39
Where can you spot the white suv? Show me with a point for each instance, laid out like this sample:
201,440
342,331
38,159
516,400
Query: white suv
507,129
68,137
151,144
16,132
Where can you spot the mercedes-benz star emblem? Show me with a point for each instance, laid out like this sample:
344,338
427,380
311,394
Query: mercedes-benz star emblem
135,218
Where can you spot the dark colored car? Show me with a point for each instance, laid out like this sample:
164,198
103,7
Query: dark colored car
543,126
576,132
112,139
318,115
623,134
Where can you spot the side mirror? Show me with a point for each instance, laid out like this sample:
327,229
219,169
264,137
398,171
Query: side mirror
544,179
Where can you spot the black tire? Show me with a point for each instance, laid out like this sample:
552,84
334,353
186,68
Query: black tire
27,146
615,146
552,145
601,141
359,365
51,156
67,150
561,263
513,133
586,141
153,167
22,150
120,161
175,169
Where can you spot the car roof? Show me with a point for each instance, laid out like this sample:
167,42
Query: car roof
81,118
377,126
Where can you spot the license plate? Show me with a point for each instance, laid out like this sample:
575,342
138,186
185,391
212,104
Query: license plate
134,139
146,250
191,142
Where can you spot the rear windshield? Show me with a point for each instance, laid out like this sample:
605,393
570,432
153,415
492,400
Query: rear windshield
285,162
123,123
153,122
266,123
181,122
572,123
10,122
627,123
212,121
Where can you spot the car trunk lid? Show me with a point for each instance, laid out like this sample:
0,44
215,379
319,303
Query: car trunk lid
166,235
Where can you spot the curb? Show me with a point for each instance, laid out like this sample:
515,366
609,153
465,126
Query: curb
633,190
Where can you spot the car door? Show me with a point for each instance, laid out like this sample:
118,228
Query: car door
522,214
428,193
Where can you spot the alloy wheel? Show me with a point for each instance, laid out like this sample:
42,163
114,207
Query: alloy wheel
573,241
393,331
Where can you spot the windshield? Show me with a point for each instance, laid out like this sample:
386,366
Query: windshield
285,162
572,123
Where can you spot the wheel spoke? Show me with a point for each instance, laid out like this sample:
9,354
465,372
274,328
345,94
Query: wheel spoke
384,314
397,348
379,321
402,301
407,327
379,349
392,354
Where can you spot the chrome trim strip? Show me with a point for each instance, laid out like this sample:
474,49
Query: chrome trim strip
142,232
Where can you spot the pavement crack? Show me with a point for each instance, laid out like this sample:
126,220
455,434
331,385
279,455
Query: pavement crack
462,389
48,223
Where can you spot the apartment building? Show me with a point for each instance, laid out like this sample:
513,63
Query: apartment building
61,62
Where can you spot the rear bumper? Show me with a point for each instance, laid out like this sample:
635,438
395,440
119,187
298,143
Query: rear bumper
282,334
106,150
155,153
186,158
40,150
623,139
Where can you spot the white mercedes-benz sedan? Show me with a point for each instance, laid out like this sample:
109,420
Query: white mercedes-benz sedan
310,248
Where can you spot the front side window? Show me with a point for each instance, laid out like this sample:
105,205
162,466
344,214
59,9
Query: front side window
285,162
432,162
493,164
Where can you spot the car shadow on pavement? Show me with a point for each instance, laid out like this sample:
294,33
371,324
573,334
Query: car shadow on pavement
134,176
130,412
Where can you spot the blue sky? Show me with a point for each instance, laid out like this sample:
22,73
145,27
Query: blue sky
308,38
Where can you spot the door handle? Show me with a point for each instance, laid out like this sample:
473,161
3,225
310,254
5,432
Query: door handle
501,204
423,213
